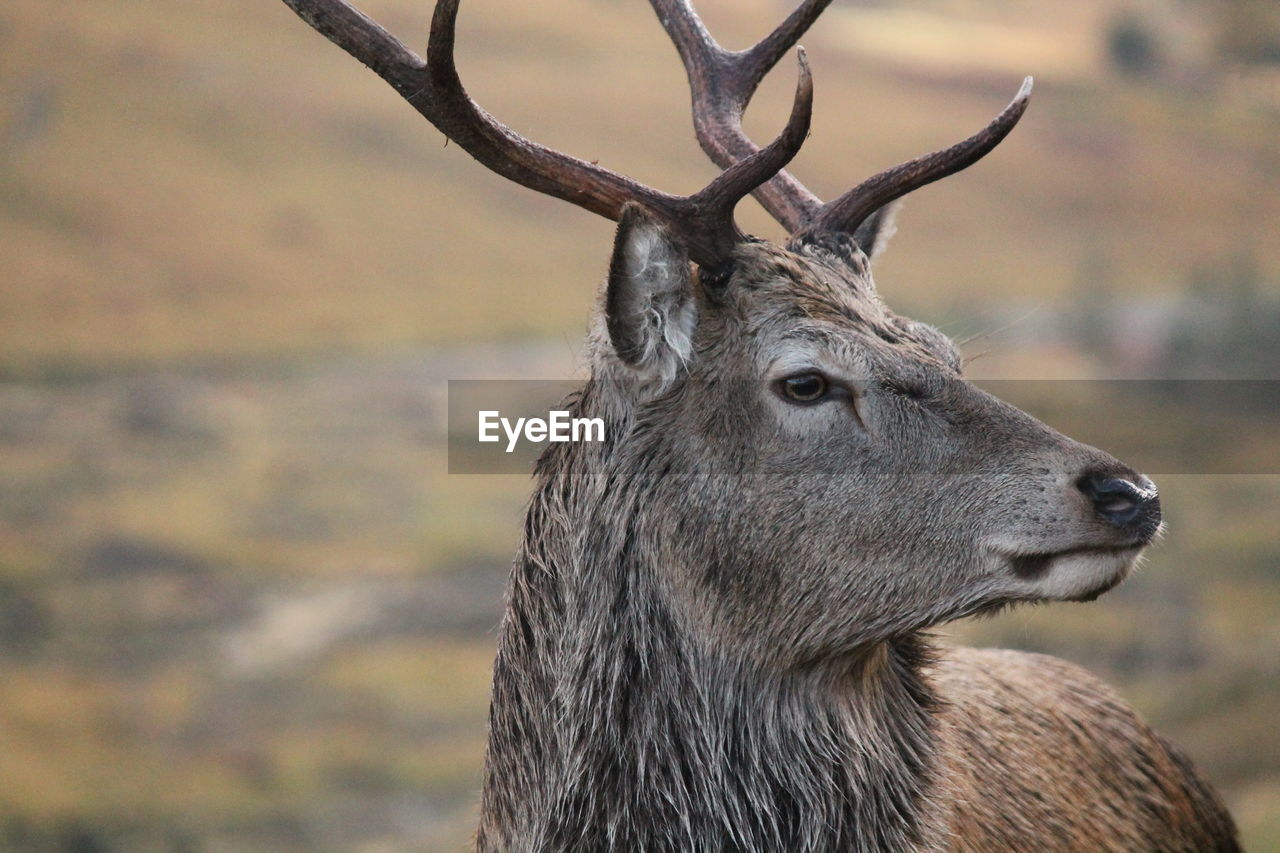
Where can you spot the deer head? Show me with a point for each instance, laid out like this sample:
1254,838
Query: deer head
810,470
817,467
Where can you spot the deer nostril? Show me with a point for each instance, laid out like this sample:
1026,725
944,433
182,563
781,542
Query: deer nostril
1120,507
1121,502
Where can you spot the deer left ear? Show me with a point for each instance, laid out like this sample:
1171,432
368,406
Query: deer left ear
650,310
873,235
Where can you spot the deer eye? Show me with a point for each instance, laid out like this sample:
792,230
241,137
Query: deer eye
804,388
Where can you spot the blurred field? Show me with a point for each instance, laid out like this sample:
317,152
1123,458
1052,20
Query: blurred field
233,187
242,605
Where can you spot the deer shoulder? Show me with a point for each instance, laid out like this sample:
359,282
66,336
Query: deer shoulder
1038,753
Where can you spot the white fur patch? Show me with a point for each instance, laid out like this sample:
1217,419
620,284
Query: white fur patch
658,301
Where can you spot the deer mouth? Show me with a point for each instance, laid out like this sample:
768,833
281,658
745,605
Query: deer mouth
1072,574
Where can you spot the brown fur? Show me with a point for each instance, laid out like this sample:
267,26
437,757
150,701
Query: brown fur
1041,755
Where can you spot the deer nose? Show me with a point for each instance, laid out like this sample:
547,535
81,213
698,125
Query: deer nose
1123,503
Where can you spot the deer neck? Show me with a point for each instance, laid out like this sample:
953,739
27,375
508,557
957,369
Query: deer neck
613,727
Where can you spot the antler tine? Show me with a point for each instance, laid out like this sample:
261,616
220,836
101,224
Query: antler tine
446,104
713,207
363,38
757,61
434,90
722,83
704,220
850,210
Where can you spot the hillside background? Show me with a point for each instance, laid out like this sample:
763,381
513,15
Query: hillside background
243,606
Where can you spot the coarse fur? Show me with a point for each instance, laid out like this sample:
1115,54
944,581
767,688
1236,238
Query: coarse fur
715,627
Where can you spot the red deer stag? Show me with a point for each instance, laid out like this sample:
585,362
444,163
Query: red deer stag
713,633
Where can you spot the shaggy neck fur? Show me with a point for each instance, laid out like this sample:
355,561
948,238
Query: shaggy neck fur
613,726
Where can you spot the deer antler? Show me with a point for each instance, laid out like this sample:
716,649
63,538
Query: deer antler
703,221
850,210
723,82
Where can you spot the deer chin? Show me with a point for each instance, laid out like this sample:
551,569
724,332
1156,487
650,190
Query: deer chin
1070,574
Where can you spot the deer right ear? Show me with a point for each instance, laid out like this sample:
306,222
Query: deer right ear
650,310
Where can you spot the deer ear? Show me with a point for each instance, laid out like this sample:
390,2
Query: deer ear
650,310
872,236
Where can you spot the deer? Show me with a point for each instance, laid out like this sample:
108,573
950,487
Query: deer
717,625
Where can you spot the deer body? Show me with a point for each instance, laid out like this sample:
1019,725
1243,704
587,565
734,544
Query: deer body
716,627
670,678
